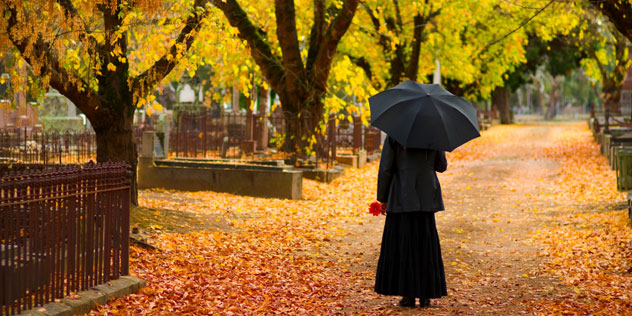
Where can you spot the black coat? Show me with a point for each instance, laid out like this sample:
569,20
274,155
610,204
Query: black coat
407,180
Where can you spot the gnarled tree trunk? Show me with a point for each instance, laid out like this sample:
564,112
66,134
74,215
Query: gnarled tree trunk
116,143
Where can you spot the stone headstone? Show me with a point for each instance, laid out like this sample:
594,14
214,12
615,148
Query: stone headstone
55,104
158,152
187,95
147,144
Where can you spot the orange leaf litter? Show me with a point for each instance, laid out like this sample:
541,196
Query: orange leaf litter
275,261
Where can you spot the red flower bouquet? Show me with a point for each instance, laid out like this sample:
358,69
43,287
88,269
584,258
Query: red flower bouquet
376,209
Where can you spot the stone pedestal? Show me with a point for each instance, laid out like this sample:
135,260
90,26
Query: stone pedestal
147,144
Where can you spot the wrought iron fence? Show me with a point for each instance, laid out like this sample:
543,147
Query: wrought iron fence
203,135
372,139
235,135
27,146
354,136
62,229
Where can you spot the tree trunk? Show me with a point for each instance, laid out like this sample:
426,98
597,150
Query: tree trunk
538,102
611,94
300,128
300,82
500,98
115,142
263,108
551,111
397,66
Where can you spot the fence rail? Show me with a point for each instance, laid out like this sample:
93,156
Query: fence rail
26,146
202,134
62,229
205,135
354,136
230,135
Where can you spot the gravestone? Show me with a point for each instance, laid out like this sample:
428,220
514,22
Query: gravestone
187,95
59,113
158,151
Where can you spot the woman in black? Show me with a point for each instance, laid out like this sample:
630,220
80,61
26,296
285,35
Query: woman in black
410,263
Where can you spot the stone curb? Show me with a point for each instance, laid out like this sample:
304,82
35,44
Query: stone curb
84,301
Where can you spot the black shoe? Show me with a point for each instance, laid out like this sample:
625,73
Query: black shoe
407,301
424,302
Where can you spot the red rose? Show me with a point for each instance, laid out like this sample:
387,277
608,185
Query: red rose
376,209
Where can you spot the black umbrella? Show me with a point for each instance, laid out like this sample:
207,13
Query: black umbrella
424,116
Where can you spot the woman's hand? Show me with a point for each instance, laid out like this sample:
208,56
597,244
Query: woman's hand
383,208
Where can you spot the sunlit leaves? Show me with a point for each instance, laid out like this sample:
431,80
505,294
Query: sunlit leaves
266,256
476,42
589,244
271,258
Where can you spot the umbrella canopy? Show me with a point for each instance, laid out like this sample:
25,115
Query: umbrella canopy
424,116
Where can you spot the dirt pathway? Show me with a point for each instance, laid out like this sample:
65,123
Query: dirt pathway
490,257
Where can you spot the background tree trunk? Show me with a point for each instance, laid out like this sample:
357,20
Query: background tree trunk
262,142
500,98
551,110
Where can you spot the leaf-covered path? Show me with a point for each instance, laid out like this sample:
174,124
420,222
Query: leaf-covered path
533,225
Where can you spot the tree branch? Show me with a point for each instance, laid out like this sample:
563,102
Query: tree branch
330,43
363,64
398,17
619,13
261,51
316,35
420,25
413,62
69,8
161,68
621,60
525,22
383,40
374,20
602,68
38,52
288,40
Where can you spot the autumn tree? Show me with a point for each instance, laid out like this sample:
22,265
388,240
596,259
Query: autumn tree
296,68
539,28
476,42
592,45
608,62
557,57
399,30
105,56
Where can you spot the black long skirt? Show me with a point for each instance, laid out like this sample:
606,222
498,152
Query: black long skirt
410,261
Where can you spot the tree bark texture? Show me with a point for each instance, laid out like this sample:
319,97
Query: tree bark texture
116,143
262,142
619,13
